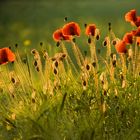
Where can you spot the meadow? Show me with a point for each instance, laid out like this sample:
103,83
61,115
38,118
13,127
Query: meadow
78,80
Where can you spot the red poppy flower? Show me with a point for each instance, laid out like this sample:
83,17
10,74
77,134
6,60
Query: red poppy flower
131,16
128,38
90,29
6,55
137,22
71,29
58,35
121,47
136,32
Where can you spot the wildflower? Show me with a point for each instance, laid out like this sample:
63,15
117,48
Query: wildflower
128,38
58,36
90,30
121,47
136,32
6,55
71,29
137,22
27,42
131,16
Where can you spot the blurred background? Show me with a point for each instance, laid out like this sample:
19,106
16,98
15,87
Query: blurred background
35,20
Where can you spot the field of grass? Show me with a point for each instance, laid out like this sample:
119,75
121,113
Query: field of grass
79,90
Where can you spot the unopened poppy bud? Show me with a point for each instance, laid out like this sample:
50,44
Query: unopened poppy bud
114,42
84,83
33,100
55,71
85,25
13,80
58,44
105,92
74,40
87,67
121,76
35,63
114,63
53,59
33,51
37,68
97,37
65,18
41,43
105,43
56,64
63,55
111,55
89,40
24,60
16,45
109,24
94,64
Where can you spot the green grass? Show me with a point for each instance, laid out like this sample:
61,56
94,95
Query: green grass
41,105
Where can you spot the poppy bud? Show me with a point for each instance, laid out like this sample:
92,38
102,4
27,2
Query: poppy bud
56,64
94,64
97,37
63,55
114,42
85,25
33,100
33,51
114,63
13,80
74,40
58,44
109,24
105,43
16,45
41,43
35,63
65,18
87,67
89,40
55,71
37,68
84,83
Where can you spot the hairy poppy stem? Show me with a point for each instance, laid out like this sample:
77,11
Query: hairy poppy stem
93,52
68,59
